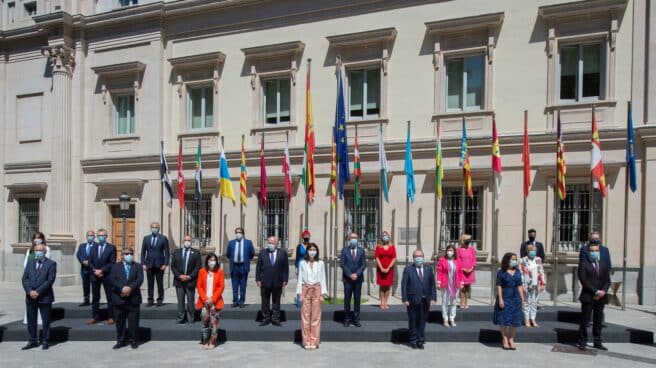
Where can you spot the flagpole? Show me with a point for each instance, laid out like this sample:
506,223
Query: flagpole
161,209
524,209
626,218
407,219
241,204
335,222
462,195
380,182
435,200
307,157
556,232
493,256
220,237
289,195
591,193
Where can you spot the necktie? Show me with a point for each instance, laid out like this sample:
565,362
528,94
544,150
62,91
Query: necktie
421,274
152,240
271,258
38,265
88,249
100,251
353,253
596,267
186,260
127,271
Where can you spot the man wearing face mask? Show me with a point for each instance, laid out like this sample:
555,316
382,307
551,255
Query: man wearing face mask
185,264
155,258
271,276
539,247
418,293
584,253
126,278
83,255
240,252
38,278
353,261
594,275
103,256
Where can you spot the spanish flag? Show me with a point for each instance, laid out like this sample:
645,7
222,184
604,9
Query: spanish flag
596,163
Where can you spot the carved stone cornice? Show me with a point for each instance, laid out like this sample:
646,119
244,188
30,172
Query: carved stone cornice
61,57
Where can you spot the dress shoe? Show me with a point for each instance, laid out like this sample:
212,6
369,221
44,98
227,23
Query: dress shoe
414,346
357,324
110,321
242,305
30,345
134,345
150,304
265,322
582,347
119,345
45,346
234,305
159,304
347,323
84,304
420,346
600,346
276,323
92,322
180,322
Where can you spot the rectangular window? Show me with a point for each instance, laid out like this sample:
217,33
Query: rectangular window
574,217
201,107
11,12
465,83
28,218
364,93
453,223
581,72
276,101
363,220
124,114
128,2
30,8
274,218
198,219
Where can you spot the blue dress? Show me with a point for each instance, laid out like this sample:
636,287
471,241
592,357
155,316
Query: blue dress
511,315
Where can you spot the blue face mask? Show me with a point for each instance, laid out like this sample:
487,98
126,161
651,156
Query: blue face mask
129,258
353,243
102,238
513,263
38,254
419,261
595,255
385,238
154,231
90,238
532,254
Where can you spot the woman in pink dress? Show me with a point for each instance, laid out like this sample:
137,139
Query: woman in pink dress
467,257
385,260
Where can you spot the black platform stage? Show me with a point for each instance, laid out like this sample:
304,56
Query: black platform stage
558,325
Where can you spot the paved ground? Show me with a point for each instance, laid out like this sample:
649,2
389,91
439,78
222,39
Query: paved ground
257,354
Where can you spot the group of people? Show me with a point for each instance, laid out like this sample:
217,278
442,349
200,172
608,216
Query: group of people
519,282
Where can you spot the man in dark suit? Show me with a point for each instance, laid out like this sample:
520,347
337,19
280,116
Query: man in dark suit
126,278
240,251
418,293
38,278
584,252
103,256
594,276
155,258
83,255
185,264
271,276
353,261
539,247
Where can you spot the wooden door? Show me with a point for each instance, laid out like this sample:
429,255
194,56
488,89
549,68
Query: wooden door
117,235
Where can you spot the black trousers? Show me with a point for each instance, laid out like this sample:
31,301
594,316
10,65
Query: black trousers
417,316
352,289
155,273
186,293
32,307
85,273
271,303
596,310
127,313
95,297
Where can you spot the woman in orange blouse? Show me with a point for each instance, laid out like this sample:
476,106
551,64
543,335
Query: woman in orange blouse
210,286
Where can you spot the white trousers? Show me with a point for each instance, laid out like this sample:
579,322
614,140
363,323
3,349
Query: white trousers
532,295
448,306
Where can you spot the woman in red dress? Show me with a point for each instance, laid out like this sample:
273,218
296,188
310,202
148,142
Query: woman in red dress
385,261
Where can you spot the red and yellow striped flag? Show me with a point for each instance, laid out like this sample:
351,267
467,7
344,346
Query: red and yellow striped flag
561,163
497,169
464,162
243,192
333,176
596,163
308,153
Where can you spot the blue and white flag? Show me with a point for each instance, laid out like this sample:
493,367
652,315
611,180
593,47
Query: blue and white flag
382,160
409,170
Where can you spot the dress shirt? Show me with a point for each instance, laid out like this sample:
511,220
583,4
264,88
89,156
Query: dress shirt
210,285
312,273
532,267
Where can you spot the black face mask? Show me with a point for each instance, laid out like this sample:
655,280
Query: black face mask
531,239
306,240
595,242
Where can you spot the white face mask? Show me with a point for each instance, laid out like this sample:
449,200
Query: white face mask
449,254
312,253
38,241
238,236
187,244
212,264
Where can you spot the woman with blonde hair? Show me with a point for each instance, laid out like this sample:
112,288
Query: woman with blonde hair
534,283
385,261
467,257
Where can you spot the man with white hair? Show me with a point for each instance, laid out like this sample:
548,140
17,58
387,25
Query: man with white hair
271,276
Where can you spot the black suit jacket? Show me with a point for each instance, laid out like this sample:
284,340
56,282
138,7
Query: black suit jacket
155,255
118,280
591,281
177,266
604,254
539,249
40,281
350,265
412,287
272,276
105,261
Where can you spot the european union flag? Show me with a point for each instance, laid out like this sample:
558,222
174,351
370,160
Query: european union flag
630,153
341,139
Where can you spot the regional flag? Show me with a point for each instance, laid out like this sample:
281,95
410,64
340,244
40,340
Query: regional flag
409,169
382,161
181,179
630,153
199,174
496,160
286,171
439,165
243,175
465,164
165,177
596,163
225,183
526,158
263,177
356,171
561,163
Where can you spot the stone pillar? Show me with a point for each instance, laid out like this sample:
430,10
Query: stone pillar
59,196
